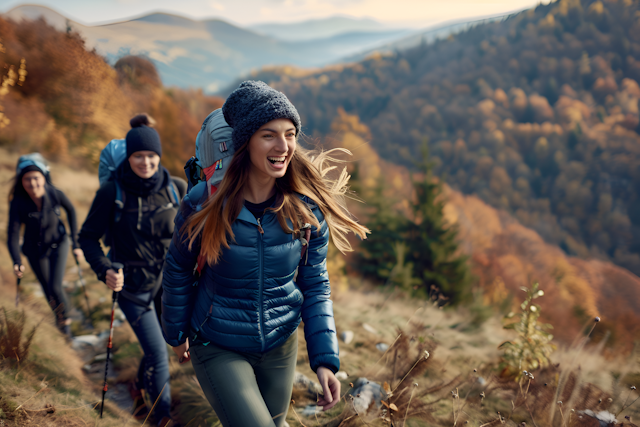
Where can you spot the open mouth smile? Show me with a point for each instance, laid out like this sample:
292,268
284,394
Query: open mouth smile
277,160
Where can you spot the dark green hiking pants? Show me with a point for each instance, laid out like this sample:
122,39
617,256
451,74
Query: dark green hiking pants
247,389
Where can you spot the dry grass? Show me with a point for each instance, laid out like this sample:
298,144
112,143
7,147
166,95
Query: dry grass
48,388
462,365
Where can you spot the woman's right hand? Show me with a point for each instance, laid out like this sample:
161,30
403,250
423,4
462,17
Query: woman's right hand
115,280
18,270
183,351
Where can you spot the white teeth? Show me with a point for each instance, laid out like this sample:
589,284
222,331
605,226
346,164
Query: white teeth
276,159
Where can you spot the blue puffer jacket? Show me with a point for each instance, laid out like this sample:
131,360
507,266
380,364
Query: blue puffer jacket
249,301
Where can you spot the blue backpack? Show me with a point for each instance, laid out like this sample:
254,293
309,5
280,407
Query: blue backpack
111,157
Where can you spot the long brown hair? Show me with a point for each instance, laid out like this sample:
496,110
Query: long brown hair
307,174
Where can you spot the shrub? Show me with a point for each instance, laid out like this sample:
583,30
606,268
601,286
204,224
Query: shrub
12,346
531,349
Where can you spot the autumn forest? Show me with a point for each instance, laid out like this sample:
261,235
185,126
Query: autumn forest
536,114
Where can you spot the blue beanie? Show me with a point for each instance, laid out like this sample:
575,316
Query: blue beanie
252,105
143,138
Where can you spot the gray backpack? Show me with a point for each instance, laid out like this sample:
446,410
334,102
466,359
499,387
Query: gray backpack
214,150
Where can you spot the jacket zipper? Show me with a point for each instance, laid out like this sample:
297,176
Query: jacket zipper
261,285
139,213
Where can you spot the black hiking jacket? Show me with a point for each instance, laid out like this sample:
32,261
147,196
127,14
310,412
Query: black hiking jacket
139,239
43,229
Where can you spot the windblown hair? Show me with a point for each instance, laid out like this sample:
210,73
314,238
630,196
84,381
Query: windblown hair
306,175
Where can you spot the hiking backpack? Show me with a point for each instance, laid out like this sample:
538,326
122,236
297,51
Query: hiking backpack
111,157
214,150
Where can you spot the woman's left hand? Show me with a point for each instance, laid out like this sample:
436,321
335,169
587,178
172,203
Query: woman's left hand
330,386
78,254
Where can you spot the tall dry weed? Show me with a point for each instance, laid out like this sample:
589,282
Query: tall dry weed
14,343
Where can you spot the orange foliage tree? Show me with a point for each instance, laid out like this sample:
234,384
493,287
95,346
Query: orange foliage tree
75,102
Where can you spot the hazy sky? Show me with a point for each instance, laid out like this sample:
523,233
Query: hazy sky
414,13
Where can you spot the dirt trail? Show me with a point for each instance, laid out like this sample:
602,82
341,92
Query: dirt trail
91,344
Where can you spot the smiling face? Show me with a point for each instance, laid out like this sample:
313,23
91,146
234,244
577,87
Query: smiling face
271,149
33,183
144,163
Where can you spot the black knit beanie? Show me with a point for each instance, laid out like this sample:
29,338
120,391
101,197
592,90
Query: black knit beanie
31,168
143,138
253,104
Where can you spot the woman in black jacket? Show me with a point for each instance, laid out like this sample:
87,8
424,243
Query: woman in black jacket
36,203
138,231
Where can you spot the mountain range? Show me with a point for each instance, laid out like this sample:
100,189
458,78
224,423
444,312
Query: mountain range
318,28
212,53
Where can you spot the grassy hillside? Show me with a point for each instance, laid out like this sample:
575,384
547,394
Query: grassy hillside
535,114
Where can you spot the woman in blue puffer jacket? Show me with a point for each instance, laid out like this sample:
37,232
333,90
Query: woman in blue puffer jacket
264,235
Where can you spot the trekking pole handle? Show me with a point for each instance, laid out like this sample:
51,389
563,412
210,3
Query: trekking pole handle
117,266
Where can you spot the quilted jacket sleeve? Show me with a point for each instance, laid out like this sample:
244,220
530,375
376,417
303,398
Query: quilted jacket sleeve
178,281
317,309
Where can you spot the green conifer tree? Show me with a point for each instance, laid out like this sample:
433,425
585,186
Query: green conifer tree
376,257
432,243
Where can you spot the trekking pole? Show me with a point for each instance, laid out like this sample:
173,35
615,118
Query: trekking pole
84,289
18,292
118,267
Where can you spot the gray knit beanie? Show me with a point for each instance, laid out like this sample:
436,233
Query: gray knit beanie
252,105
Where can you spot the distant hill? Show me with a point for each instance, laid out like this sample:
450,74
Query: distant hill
318,28
212,53
426,36
536,114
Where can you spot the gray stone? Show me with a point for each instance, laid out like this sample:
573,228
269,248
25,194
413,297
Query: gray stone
365,392
382,347
100,358
342,375
311,410
301,381
82,341
346,336
605,418
367,327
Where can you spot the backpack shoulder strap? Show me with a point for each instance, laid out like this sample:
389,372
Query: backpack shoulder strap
197,193
119,201
55,200
173,193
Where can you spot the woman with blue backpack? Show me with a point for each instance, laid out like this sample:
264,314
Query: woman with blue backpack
134,210
36,203
263,236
